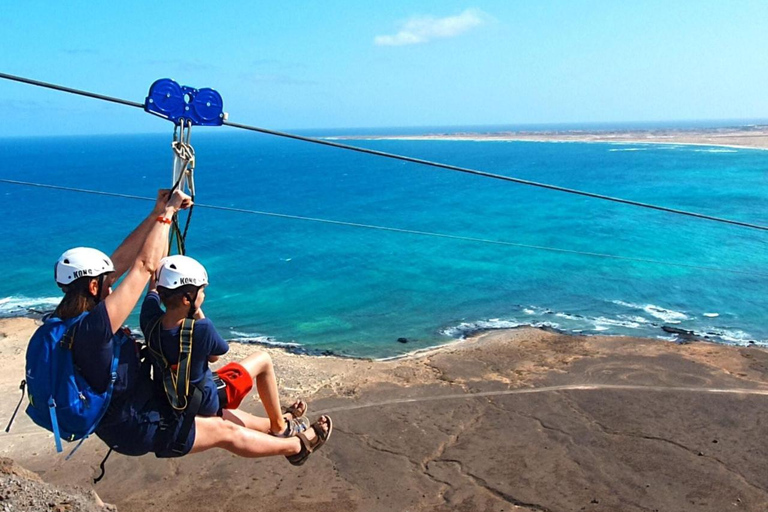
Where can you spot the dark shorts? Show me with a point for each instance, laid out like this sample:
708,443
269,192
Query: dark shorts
152,428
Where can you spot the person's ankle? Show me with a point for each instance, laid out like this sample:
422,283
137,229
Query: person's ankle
280,427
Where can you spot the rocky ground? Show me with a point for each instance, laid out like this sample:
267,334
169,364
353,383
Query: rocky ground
508,420
22,490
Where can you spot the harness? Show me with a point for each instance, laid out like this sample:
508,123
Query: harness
183,397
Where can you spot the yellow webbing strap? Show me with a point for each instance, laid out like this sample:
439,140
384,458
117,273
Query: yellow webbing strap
176,382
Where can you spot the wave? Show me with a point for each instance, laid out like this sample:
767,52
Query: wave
648,321
734,336
667,315
628,149
717,150
19,305
259,339
465,329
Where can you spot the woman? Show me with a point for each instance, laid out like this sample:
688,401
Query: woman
138,422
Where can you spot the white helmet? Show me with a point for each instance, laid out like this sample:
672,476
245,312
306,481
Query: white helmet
81,262
178,270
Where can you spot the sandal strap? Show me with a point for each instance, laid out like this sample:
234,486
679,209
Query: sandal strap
320,434
306,445
296,411
296,426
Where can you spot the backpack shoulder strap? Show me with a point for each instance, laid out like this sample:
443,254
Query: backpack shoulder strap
68,340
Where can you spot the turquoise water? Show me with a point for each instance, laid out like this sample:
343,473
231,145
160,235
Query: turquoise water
355,291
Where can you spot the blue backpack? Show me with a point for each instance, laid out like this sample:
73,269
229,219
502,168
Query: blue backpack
60,400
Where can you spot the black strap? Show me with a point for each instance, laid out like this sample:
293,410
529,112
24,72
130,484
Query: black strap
175,382
221,390
68,340
101,466
184,400
195,400
22,387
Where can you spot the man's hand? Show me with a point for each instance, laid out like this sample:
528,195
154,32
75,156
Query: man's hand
179,201
163,195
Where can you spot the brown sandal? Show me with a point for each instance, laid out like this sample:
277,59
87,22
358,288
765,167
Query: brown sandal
309,446
297,422
297,409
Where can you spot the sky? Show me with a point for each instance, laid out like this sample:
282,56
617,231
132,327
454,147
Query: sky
345,64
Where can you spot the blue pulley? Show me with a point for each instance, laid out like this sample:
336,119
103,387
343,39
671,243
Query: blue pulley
169,100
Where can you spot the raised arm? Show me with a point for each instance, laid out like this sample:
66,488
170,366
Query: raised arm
128,251
153,277
121,302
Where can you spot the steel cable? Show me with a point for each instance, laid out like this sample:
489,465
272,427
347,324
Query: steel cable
395,230
404,158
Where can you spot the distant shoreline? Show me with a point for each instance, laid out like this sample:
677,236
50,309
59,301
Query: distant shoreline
752,137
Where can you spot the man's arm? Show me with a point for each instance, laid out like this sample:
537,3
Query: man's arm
128,251
121,302
153,277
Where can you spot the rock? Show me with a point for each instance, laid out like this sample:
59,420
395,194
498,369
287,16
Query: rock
9,467
683,336
402,340
24,490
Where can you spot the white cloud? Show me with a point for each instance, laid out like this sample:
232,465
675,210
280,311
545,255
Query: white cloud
426,28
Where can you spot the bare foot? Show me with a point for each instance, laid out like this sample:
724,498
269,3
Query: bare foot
323,423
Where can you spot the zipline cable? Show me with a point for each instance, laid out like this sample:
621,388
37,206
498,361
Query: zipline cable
70,90
406,158
395,230
494,176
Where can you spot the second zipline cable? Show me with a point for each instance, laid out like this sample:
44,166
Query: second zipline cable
397,230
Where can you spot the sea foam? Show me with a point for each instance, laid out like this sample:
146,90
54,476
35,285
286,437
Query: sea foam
259,339
21,306
667,315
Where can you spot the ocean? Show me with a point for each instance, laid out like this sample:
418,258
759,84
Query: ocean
352,291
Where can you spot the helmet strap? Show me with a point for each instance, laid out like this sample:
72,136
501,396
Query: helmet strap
100,288
192,308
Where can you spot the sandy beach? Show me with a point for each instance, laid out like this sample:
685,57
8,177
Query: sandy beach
507,420
755,137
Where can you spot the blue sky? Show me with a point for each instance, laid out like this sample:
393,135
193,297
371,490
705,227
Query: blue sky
294,65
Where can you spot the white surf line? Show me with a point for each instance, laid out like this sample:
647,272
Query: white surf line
547,389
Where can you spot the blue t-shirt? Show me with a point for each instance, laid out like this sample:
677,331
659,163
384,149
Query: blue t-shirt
92,355
131,423
206,342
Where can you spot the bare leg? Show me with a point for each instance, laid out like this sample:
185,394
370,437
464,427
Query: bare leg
214,432
259,365
246,420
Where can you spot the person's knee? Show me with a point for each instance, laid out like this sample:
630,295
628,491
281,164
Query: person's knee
265,359
257,363
227,433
